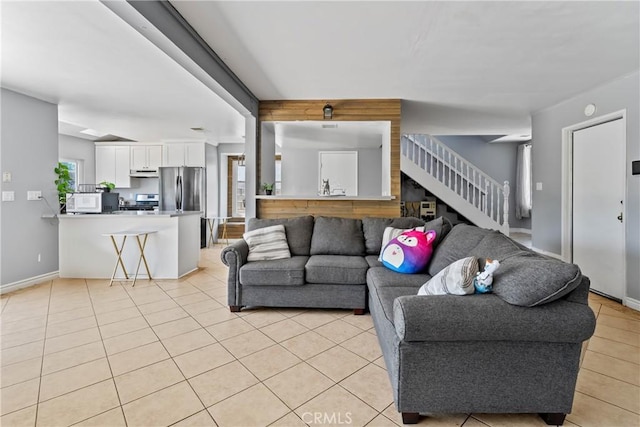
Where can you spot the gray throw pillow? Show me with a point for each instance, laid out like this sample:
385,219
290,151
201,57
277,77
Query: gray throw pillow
529,279
337,236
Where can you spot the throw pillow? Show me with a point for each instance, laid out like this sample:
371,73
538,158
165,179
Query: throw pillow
337,236
455,279
409,252
267,243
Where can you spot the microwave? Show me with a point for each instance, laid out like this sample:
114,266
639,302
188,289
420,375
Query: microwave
92,202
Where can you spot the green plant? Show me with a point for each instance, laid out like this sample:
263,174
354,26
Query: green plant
267,187
63,183
108,185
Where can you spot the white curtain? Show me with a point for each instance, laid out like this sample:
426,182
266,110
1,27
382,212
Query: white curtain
523,182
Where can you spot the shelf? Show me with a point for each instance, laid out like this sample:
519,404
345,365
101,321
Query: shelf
332,198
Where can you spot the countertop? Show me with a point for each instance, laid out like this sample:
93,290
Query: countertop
148,214
332,198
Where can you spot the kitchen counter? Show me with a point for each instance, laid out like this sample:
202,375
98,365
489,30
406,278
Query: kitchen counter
172,251
158,214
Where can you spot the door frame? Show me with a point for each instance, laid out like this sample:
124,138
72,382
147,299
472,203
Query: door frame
567,185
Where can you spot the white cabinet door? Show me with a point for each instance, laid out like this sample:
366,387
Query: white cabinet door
138,158
122,163
105,164
154,156
194,154
112,165
173,155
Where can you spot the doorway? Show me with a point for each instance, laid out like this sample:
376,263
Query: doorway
595,199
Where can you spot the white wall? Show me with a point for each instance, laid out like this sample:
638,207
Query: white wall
29,150
547,128
72,148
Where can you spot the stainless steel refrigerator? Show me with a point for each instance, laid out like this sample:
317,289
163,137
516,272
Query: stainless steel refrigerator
182,189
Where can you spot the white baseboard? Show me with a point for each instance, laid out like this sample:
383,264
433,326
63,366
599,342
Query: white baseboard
551,254
10,287
632,303
520,230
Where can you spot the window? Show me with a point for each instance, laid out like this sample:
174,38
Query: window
75,170
278,184
523,182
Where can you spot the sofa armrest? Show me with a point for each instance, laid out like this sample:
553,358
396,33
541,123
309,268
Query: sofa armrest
489,318
234,256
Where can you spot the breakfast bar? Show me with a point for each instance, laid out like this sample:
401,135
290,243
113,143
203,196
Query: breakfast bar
86,251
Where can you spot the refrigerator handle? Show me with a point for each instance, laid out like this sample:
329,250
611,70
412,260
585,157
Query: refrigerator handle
179,193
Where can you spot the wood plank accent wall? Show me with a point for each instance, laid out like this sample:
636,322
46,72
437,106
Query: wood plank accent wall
343,110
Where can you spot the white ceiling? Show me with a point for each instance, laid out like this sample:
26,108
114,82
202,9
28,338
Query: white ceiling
104,75
460,67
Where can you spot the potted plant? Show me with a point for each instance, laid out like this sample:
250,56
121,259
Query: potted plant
268,188
107,186
63,184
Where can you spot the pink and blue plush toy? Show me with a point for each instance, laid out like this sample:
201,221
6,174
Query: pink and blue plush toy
409,252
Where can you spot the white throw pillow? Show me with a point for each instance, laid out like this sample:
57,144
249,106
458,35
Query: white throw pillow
267,243
455,279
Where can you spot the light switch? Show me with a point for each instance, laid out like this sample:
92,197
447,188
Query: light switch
6,176
8,196
538,186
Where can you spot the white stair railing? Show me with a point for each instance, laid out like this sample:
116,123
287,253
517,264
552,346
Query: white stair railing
463,179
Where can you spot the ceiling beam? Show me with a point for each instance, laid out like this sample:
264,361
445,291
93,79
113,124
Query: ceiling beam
162,15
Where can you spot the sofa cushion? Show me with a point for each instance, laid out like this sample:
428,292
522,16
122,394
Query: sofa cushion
410,252
457,244
267,243
298,231
455,279
373,261
338,269
530,279
281,272
373,229
381,277
337,236
496,245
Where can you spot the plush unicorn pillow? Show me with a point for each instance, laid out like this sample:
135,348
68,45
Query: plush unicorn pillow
410,252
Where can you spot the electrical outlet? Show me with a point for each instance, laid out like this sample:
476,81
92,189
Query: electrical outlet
34,195
8,196
6,176
39,258
538,186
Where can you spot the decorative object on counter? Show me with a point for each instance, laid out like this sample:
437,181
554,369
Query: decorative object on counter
326,188
327,112
268,188
107,186
63,184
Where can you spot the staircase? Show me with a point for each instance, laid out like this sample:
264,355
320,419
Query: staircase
456,181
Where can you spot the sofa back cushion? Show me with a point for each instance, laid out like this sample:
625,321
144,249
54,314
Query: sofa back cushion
457,244
337,236
373,229
298,231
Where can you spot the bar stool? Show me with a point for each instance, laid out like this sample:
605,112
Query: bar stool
141,245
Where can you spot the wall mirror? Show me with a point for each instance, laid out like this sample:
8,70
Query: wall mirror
299,144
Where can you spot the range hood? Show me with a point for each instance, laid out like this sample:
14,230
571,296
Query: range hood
143,173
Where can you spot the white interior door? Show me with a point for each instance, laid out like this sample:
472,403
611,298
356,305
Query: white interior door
598,197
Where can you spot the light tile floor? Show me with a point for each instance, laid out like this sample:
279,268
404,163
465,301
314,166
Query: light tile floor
76,352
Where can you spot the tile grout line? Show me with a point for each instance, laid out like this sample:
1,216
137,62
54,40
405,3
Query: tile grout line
44,346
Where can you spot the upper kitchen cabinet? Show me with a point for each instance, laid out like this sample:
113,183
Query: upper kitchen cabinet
146,157
184,154
112,165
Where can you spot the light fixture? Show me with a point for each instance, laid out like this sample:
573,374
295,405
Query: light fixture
328,112
589,110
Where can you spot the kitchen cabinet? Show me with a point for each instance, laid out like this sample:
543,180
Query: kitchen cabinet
146,157
112,165
184,154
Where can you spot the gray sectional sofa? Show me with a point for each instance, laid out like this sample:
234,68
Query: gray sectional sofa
516,350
